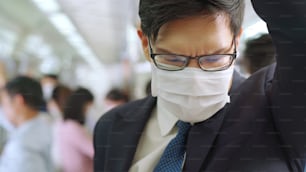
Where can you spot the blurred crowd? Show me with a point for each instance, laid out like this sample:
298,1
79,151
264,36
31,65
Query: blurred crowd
44,125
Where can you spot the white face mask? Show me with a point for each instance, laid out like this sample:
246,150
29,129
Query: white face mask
47,91
192,95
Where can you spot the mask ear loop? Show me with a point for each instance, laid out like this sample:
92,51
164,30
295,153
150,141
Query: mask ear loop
235,51
235,47
154,81
150,49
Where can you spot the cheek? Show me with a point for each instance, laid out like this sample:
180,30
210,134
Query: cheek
8,113
8,109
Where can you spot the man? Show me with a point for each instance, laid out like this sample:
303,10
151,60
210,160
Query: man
48,83
258,53
29,145
114,98
192,47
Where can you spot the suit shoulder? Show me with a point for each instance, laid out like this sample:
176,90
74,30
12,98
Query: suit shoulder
260,82
127,110
265,74
133,110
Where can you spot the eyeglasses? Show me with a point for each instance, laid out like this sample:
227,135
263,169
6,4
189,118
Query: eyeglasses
210,63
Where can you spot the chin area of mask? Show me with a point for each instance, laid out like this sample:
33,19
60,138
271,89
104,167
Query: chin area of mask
192,94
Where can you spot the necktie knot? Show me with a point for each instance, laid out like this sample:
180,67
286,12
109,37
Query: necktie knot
183,126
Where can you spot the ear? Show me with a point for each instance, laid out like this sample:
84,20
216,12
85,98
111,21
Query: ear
19,100
238,36
144,42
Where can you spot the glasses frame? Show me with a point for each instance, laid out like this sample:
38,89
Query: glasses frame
234,56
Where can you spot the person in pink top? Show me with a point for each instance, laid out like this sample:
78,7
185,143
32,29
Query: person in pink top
74,143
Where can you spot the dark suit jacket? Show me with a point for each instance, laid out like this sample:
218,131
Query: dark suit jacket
238,79
261,130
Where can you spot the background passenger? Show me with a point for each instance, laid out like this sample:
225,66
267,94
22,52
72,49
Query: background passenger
58,101
29,145
74,142
258,53
114,98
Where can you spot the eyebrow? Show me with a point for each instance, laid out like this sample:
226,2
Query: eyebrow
166,51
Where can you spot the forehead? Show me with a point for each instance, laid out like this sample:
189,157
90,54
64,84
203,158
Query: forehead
196,32
48,80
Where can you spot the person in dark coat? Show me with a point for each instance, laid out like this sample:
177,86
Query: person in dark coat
190,118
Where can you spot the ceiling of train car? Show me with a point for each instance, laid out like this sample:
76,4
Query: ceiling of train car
102,23
21,12
27,21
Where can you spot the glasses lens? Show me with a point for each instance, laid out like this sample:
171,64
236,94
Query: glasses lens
215,62
170,62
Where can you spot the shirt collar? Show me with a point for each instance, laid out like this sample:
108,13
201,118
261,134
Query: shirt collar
165,119
39,118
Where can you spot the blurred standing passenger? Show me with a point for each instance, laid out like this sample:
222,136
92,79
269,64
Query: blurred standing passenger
28,147
259,52
114,98
58,100
56,107
48,83
191,123
73,140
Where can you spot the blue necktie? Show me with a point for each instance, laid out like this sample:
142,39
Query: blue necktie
173,156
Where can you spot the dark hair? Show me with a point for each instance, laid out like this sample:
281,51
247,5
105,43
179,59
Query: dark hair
75,106
117,95
260,52
60,95
28,88
155,13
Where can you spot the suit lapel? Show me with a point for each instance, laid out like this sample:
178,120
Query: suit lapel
200,141
125,135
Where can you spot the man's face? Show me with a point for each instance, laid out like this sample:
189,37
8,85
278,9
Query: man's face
195,36
9,106
110,104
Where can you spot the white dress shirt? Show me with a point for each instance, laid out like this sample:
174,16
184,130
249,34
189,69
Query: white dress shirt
28,148
159,131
